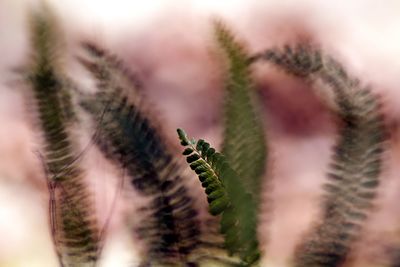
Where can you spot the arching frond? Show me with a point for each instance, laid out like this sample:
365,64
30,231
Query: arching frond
226,196
128,135
356,162
300,60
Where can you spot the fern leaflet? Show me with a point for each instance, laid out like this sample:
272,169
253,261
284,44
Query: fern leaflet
226,196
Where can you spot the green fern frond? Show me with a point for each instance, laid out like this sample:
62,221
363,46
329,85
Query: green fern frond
128,135
226,196
73,225
356,163
244,137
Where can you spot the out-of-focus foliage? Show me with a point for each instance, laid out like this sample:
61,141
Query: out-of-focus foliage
356,162
128,134
72,218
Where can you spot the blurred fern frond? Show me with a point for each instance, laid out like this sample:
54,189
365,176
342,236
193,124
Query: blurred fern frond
300,60
356,162
74,226
130,137
243,134
226,196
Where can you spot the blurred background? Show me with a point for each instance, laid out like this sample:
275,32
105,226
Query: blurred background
169,45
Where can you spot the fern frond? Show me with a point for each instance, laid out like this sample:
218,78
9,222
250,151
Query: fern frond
356,163
73,225
300,60
226,196
130,137
243,134
354,177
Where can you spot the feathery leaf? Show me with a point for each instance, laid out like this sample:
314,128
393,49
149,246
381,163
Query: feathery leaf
226,196
128,136
73,226
356,163
244,134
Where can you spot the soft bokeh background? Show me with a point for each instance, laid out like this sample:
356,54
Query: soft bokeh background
170,47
